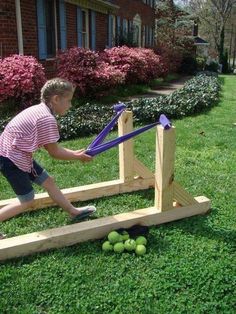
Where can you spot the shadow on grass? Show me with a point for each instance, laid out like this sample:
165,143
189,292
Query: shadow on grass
199,226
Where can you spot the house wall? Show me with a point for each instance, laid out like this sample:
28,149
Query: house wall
101,31
8,30
129,8
71,25
29,27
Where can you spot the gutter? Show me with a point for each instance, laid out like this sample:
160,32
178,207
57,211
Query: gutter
19,27
101,6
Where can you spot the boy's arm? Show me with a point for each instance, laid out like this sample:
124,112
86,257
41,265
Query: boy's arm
62,153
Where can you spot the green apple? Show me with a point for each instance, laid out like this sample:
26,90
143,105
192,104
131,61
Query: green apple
114,237
119,247
130,245
140,249
107,246
141,240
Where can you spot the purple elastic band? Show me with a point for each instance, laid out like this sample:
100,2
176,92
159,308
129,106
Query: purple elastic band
96,148
119,108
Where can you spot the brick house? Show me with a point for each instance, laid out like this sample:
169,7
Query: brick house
43,27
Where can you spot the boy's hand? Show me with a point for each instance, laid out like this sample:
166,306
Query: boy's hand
82,156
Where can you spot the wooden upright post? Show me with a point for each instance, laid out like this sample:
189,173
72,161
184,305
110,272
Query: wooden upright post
164,176
126,149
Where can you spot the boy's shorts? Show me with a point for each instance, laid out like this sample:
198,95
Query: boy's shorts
21,181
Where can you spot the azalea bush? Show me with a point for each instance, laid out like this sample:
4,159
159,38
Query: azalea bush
139,65
21,79
87,71
172,56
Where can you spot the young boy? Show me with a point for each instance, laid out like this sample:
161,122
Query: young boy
31,129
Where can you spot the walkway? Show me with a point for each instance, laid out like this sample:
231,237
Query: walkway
166,89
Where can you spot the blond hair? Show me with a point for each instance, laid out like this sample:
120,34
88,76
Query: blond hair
55,86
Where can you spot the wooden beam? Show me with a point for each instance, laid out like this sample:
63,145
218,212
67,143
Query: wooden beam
90,191
181,196
164,176
126,149
94,229
141,170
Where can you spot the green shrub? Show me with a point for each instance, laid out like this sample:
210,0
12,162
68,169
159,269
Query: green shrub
213,66
198,94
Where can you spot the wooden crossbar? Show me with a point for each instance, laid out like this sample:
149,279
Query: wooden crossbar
94,229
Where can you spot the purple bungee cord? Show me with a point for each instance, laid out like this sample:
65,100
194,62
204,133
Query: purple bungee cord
97,147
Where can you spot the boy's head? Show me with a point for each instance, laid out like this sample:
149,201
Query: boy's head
57,94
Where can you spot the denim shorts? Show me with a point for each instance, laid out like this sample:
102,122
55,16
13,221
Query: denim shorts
21,181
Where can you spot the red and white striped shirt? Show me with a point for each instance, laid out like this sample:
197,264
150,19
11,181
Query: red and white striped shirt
31,129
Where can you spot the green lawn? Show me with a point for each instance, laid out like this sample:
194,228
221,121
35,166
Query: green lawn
190,265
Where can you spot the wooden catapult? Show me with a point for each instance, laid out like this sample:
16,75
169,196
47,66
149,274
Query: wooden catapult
172,202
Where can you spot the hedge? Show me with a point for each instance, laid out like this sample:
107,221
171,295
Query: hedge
198,94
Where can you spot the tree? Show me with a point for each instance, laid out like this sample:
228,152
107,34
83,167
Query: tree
173,33
214,15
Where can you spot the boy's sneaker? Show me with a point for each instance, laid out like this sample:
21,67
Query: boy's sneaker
84,212
2,236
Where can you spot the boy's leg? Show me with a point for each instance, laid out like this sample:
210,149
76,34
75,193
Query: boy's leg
20,183
58,197
14,209
42,178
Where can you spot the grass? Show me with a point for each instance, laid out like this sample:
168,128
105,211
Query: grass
190,265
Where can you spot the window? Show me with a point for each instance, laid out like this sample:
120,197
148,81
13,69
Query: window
47,27
137,22
82,27
125,27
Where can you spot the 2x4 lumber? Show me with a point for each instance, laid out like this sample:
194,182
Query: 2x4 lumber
141,170
126,149
95,229
181,196
164,175
90,191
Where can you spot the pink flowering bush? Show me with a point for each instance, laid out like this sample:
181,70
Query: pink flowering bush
139,65
87,71
155,64
21,79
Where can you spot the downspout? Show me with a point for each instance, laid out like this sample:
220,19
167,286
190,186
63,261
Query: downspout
55,26
19,28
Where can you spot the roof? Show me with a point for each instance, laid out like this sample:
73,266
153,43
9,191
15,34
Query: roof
200,41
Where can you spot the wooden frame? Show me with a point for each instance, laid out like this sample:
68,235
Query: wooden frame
172,202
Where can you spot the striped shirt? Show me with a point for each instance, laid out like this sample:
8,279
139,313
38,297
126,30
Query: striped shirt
31,129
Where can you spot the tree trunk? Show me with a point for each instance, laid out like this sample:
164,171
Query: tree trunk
221,46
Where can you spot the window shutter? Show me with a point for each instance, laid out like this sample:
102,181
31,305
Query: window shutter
62,15
146,35
41,29
110,30
150,36
118,25
79,26
93,30
124,27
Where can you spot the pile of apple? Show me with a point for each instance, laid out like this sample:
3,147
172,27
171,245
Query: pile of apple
121,242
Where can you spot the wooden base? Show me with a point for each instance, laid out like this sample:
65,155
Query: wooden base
95,229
